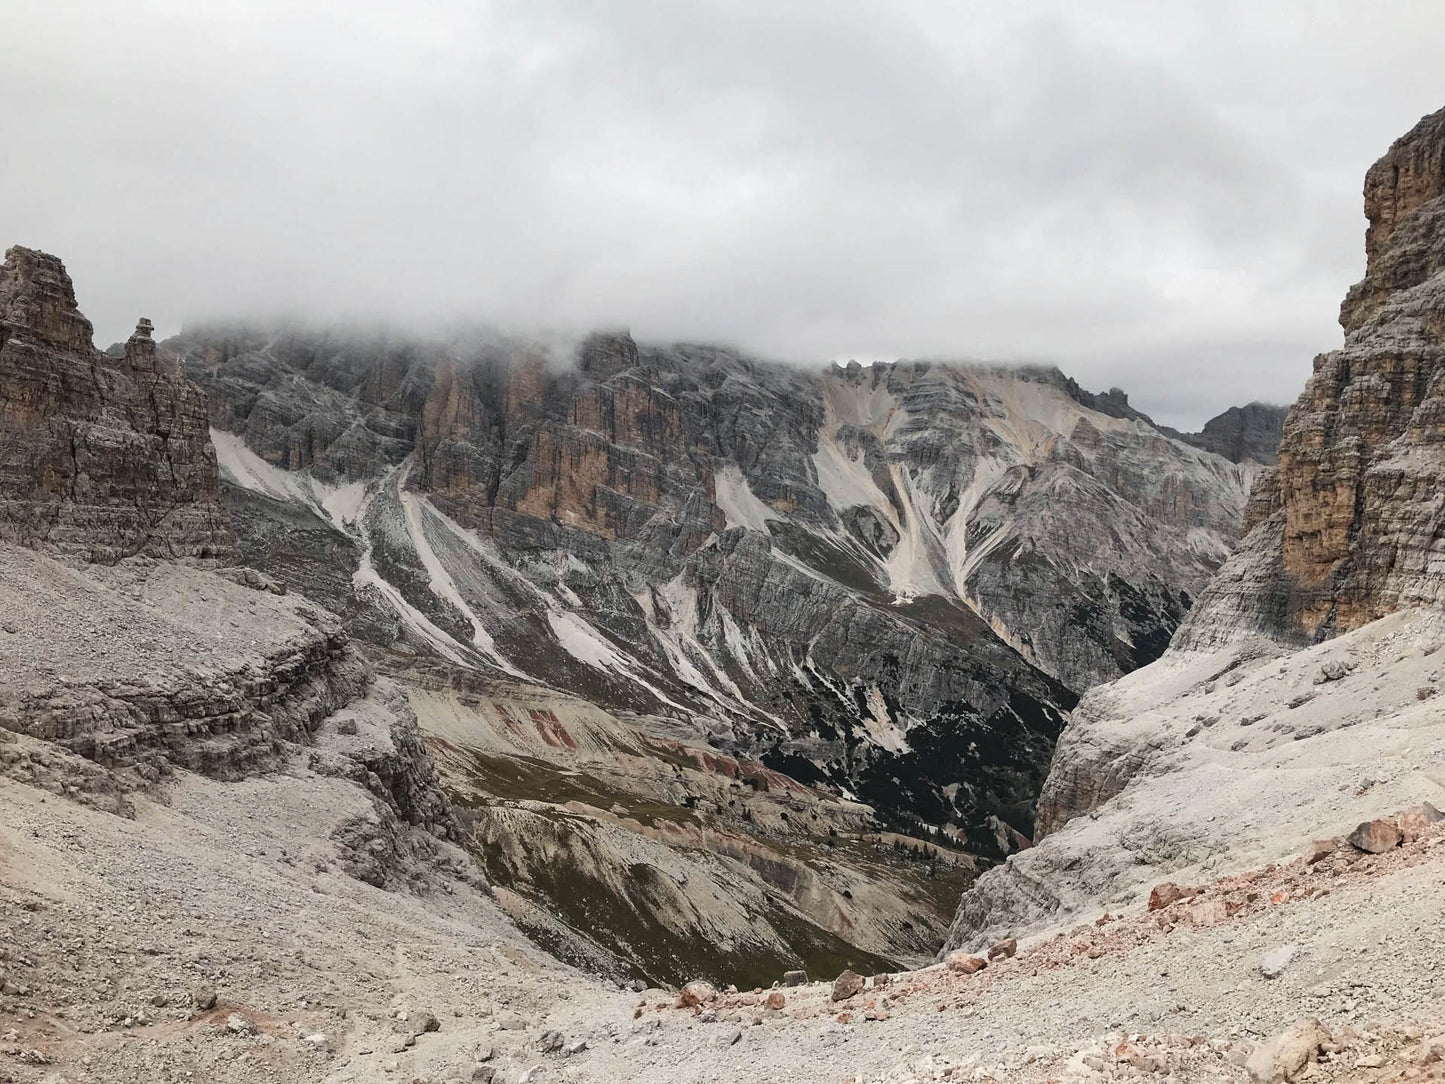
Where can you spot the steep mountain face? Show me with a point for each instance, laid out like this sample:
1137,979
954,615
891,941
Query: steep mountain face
854,576
119,670
1248,433
100,457
1348,527
1296,678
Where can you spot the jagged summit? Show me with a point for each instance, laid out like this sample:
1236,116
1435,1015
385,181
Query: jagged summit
38,298
1349,526
1299,696
100,457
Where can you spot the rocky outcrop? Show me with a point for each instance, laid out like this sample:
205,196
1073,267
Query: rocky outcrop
1362,462
1248,433
100,457
797,562
146,667
1342,536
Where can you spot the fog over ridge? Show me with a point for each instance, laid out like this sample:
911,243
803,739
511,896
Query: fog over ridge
1163,200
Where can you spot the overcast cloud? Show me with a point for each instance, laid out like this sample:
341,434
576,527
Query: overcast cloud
1165,197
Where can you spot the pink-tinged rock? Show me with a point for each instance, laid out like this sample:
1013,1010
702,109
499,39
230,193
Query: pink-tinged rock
1167,893
1416,821
1376,837
695,994
1004,949
1320,849
965,963
774,1000
847,985
1208,913
1286,1055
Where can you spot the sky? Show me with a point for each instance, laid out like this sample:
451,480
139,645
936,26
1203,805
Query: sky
1160,196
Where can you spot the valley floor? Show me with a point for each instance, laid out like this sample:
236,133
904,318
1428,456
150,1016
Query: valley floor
113,930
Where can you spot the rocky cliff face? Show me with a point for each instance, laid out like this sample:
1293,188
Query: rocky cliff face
1350,523
118,668
1243,434
1346,530
101,457
855,576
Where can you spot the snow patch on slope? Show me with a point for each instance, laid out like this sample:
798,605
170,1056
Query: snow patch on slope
738,502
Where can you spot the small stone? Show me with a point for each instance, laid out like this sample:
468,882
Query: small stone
483,1074
731,1037
774,1000
1331,671
317,1040
346,726
1376,837
965,963
160,1001
576,1046
1284,1056
1320,849
795,978
205,998
847,985
1004,949
237,1024
1273,962
694,994
550,1042
1169,892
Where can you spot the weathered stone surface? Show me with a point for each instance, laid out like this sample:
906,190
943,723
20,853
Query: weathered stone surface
848,984
1286,1055
1375,837
1414,821
1004,949
100,457
1356,521
965,963
695,994
1162,895
800,559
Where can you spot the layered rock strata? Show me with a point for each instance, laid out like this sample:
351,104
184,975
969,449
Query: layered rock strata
101,457
1350,525
1344,541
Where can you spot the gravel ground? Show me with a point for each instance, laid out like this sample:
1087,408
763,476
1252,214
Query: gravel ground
114,929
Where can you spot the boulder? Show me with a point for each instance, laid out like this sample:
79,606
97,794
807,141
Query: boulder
848,984
965,963
1376,837
1320,849
1287,1054
695,995
1169,892
1416,820
795,978
1004,949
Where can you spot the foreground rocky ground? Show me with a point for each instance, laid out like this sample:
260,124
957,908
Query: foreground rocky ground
117,934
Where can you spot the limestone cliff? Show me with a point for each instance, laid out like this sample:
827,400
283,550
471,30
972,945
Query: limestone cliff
100,457
1284,668
1349,527
855,574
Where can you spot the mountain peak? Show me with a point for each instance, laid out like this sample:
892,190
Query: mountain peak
37,296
